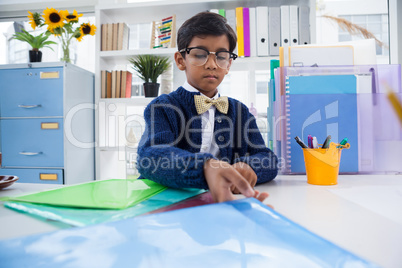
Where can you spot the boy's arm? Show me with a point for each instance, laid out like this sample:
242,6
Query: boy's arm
159,158
261,159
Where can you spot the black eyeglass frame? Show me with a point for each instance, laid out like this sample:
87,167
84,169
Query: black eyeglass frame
188,49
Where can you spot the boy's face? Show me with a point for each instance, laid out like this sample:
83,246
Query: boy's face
205,78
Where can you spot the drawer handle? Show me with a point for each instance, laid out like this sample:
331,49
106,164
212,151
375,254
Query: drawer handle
30,106
30,153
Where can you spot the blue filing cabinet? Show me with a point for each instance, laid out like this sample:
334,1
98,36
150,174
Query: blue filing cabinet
47,123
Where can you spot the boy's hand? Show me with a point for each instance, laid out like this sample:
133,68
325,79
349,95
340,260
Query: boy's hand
247,172
221,176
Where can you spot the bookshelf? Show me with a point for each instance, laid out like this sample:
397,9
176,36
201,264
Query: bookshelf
111,153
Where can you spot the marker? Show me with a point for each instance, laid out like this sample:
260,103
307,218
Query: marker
300,142
325,145
315,143
310,141
344,141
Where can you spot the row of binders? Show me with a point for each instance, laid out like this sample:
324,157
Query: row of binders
262,30
115,36
116,84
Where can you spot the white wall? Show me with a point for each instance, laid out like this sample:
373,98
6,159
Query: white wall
395,21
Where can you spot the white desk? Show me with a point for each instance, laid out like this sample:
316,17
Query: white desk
362,214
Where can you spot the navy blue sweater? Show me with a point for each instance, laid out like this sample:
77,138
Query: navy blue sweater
169,150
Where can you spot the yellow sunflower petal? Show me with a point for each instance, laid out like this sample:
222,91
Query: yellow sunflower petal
54,18
87,28
34,19
73,17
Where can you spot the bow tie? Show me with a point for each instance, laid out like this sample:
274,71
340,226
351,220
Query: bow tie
202,104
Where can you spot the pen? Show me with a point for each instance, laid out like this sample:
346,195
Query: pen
315,143
325,145
300,142
344,141
310,141
393,99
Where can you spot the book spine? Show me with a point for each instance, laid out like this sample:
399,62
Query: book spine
240,31
246,29
128,84
287,139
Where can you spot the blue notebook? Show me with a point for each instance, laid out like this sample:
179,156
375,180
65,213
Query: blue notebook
241,233
322,105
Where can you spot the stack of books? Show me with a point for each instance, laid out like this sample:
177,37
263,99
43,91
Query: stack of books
115,36
116,84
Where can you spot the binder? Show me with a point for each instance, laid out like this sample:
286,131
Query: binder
293,25
253,32
222,12
320,55
231,19
240,31
274,26
246,29
243,233
321,105
304,25
262,31
285,27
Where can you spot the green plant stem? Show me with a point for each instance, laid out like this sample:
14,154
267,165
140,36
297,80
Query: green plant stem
65,40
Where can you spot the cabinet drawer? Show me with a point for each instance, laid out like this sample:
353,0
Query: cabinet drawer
34,142
31,92
33,175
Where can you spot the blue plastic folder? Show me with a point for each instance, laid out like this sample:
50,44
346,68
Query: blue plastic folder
241,233
322,105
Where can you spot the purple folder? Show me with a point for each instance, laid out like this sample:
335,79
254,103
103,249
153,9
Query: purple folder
246,29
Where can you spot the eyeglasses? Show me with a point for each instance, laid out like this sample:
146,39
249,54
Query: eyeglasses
198,56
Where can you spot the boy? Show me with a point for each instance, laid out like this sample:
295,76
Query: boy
190,141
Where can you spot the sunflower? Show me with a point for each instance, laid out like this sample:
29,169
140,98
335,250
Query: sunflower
56,31
87,28
54,18
34,19
73,17
79,37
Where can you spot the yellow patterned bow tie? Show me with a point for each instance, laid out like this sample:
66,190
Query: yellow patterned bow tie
202,104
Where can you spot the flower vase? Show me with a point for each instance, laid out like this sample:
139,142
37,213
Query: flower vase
66,54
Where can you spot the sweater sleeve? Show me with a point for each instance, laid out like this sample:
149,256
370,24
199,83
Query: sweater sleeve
159,157
260,158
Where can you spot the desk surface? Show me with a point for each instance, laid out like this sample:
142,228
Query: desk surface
361,214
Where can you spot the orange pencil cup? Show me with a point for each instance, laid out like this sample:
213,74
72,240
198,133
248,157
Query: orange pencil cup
322,165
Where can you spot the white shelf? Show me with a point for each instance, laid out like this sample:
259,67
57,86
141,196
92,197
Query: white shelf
137,101
123,54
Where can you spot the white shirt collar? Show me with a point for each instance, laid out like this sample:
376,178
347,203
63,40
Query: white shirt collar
190,88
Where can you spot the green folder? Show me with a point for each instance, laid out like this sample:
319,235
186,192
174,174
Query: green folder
102,194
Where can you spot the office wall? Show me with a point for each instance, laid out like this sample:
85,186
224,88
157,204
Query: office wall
395,21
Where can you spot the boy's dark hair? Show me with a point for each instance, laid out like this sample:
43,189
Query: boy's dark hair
203,24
